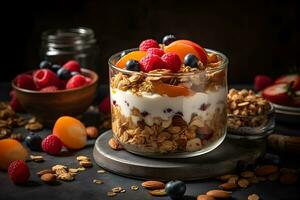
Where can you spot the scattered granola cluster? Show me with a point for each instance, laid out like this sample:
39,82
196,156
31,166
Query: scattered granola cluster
245,108
9,120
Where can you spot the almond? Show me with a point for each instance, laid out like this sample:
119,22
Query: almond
86,163
253,197
288,178
92,132
247,174
45,171
219,194
266,170
153,185
205,197
48,178
226,177
228,186
243,183
114,144
160,192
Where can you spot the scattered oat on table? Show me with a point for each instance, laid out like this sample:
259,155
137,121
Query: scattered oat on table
134,187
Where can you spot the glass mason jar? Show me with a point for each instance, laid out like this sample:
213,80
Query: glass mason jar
163,114
61,45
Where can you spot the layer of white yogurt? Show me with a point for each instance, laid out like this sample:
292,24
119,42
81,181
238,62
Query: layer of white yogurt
155,105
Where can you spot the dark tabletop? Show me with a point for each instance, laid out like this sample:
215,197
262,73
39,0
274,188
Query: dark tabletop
84,188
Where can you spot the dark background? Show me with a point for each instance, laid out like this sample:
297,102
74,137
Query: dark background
258,36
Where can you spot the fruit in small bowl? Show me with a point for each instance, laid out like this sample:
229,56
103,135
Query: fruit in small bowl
53,91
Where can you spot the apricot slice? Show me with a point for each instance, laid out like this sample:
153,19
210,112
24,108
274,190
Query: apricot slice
134,55
171,90
181,49
201,51
71,132
11,150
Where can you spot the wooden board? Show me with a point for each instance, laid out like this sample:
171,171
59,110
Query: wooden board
217,162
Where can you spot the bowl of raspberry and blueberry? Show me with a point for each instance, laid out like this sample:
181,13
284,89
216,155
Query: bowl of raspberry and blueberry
54,90
168,99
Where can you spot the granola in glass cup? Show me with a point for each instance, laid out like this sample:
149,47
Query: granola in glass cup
159,113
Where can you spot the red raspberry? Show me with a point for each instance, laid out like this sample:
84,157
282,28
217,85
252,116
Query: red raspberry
146,44
44,78
52,145
262,81
155,51
25,81
172,61
72,66
51,88
76,81
104,105
151,62
18,172
14,103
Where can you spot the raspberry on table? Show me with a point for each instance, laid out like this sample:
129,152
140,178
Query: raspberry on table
52,145
14,103
151,62
18,172
25,81
104,105
44,78
156,51
149,43
172,61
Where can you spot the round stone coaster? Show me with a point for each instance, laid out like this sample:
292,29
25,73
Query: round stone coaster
222,160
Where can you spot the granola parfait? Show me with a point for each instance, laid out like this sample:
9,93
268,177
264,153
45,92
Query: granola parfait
169,99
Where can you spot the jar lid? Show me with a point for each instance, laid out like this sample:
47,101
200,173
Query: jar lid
57,38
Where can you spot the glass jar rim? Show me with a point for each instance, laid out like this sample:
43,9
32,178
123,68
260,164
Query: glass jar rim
222,66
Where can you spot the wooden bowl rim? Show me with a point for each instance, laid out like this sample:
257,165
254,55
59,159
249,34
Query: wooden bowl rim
90,73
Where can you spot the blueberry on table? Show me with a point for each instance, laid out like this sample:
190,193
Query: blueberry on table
64,74
133,65
55,68
33,141
168,39
45,64
191,60
175,189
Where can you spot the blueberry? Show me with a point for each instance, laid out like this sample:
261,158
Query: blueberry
45,64
191,60
123,53
55,68
74,73
175,189
33,141
64,73
133,65
168,39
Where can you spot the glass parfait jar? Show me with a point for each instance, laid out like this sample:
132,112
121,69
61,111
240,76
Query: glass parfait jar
164,114
61,45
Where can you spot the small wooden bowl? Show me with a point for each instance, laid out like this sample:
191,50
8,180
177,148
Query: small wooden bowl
49,106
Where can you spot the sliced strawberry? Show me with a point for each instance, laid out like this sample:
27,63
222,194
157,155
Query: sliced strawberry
291,78
262,81
277,93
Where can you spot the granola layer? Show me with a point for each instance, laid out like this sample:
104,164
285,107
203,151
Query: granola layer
167,136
